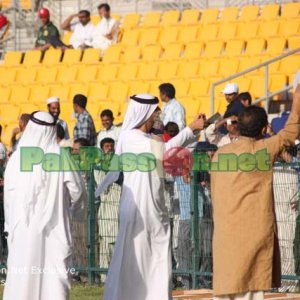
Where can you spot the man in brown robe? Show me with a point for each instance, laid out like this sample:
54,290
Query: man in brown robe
245,245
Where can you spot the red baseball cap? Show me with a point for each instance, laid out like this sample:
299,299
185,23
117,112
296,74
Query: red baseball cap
3,21
44,13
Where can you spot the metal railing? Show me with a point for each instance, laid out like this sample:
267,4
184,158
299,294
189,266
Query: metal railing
267,96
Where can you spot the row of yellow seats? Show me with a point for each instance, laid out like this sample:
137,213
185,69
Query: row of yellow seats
211,15
24,4
187,34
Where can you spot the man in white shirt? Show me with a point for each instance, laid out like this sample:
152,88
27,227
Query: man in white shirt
54,109
83,30
172,111
107,30
109,130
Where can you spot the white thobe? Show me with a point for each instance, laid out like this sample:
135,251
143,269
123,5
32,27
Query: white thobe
173,111
82,35
39,251
141,264
103,28
112,133
213,136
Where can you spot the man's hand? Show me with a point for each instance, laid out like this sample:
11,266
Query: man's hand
16,131
109,36
198,123
296,101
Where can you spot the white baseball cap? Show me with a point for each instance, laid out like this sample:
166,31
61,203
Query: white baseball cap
52,100
230,88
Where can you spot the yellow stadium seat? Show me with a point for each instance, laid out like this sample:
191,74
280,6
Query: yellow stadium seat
270,11
168,35
12,117
128,72
289,65
229,14
181,86
151,52
147,71
19,95
138,87
67,37
97,92
26,75
214,48
7,133
12,58
227,31
249,13
52,57
290,10
278,82
4,95
91,56
7,75
130,38
274,67
131,20
188,34
154,88
208,68
26,4
95,19
234,48
170,17
60,91
151,19
268,29
187,69
94,110
113,106
112,54
32,58
294,42
149,36
28,108
118,91
66,111
208,32
66,74
72,56
243,83
167,70
39,94
289,27
276,45
107,72
193,50
86,73
173,51
191,106
257,86
246,32
78,88
209,15
255,46
248,62
190,17
198,87
131,54
228,67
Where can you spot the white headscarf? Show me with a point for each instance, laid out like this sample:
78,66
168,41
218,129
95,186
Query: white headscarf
30,187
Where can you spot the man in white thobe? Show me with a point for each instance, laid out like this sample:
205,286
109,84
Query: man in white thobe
141,262
38,206
107,30
172,111
83,31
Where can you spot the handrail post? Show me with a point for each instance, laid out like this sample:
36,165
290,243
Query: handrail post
266,88
212,99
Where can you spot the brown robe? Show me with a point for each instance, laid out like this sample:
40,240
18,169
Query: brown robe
245,245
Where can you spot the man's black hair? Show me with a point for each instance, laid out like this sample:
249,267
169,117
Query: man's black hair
105,6
60,132
86,12
251,121
168,89
82,141
107,113
106,140
245,96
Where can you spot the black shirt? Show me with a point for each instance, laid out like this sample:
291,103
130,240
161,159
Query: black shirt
234,108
